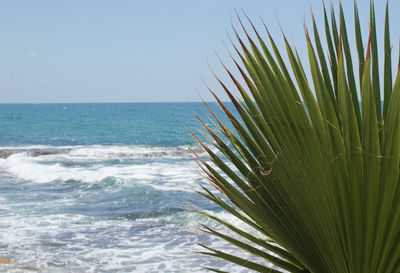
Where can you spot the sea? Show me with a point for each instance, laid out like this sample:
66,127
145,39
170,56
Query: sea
104,187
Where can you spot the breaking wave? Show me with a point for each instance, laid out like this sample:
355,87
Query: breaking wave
164,168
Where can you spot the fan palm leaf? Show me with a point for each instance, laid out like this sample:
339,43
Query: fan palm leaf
312,167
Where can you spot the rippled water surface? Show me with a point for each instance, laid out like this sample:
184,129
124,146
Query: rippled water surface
100,188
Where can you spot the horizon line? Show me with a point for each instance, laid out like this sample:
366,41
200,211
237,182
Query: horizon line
109,102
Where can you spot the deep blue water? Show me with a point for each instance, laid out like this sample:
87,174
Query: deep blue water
100,123
100,188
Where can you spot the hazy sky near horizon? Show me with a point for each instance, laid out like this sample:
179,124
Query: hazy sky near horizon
138,51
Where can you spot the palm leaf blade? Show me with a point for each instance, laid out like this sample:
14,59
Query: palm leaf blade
307,164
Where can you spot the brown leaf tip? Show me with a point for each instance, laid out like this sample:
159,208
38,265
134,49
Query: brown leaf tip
306,32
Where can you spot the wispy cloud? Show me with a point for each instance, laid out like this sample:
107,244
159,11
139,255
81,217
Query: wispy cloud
33,54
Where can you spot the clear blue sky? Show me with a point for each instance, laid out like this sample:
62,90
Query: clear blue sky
135,51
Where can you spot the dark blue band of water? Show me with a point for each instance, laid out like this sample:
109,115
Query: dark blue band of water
100,123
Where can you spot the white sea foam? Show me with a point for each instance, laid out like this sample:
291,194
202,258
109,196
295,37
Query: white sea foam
109,152
77,243
42,234
104,152
64,166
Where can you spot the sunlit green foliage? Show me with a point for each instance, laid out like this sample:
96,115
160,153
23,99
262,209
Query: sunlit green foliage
313,163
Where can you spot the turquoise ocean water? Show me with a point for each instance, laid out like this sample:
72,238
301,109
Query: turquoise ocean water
100,188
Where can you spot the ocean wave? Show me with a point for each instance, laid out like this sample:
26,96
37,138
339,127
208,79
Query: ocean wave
172,170
87,244
101,152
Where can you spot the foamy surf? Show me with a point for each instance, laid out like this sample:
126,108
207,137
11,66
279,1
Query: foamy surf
88,244
100,188
164,168
104,208
101,152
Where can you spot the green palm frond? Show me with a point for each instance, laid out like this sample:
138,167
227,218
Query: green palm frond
312,165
